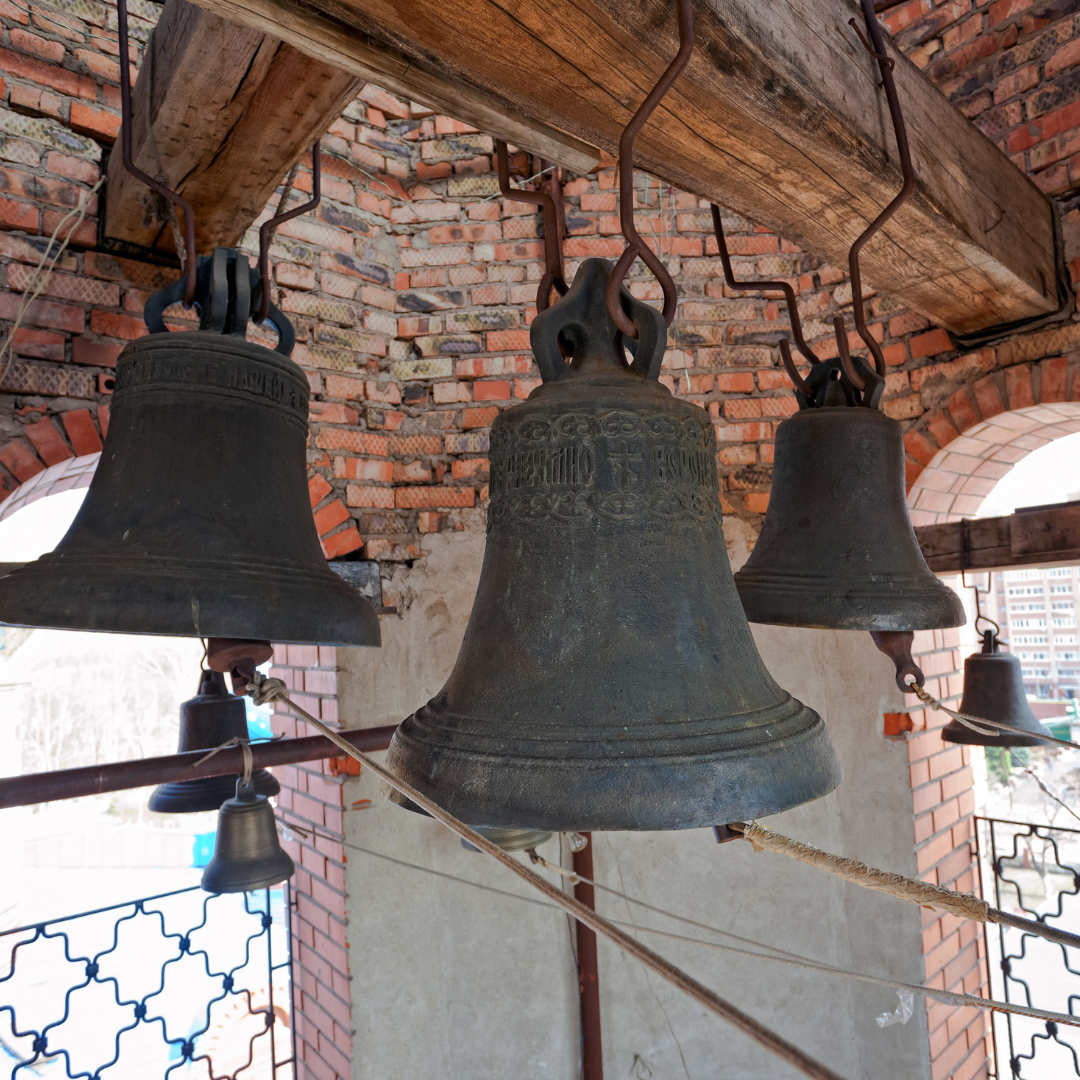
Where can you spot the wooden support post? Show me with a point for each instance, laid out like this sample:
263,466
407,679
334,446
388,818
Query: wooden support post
778,117
592,1050
232,110
1033,536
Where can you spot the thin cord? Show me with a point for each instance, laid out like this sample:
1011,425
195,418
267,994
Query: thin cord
790,959
263,690
40,277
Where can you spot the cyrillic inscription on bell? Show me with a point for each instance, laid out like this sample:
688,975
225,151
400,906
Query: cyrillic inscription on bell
608,679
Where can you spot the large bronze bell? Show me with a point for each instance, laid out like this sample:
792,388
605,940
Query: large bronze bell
608,679
247,853
994,690
211,718
837,549
198,522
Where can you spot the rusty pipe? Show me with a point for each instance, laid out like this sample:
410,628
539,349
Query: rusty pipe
145,772
592,1051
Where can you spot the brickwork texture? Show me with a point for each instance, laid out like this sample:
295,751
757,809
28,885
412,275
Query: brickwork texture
412,288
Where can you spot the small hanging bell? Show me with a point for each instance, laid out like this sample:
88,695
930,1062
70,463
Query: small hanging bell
837,549
198,520
212,717
247,852
994,690
608,678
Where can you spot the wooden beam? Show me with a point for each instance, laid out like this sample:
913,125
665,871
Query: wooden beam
1034,536
336,43
232,111
778,117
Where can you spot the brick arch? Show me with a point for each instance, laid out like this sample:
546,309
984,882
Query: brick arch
52,463
958,452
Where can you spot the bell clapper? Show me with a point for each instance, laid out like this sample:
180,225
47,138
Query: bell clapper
896,645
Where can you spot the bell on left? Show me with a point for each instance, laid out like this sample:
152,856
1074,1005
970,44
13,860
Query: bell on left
198,522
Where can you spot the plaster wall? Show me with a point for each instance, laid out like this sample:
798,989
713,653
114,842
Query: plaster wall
451,981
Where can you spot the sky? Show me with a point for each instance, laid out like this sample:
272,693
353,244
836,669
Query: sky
36,529
1048,475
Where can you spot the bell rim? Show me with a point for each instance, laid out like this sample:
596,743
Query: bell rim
767,598
206,788
240,884
630,797
961,734
165,605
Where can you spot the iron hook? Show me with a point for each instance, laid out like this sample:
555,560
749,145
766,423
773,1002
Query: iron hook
635,246
267,226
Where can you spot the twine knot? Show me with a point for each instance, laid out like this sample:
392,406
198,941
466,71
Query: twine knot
263,689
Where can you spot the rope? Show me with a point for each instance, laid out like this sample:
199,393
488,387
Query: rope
992,727
964,905
947,997
40,277
904,888
263,690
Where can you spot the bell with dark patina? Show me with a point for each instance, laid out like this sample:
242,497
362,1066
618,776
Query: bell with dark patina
247,853
198,521
211,718
837,549
994,690
608,679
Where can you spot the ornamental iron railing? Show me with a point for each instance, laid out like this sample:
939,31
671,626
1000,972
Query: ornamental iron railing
1036,872
184,984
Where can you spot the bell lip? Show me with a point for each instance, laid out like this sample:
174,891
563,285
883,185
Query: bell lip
163,607
955,732
205,793
767,598
214,879
660,792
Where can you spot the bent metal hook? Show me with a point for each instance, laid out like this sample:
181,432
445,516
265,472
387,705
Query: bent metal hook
554,274
635,245
267,227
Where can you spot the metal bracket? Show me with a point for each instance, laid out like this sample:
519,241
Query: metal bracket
225,288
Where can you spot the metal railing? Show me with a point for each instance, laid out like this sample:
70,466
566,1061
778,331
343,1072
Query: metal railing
1035,869
184,984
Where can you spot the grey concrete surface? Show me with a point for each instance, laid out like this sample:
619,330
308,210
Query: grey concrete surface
455,983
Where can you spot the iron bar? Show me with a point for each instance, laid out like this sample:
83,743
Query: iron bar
267,227
145,772
554,274
592,1051
769,286
876,48
635,246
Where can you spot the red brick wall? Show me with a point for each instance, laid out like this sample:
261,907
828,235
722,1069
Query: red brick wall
412,291
311,806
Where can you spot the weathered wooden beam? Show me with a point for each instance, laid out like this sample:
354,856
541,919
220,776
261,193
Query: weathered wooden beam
232,110
778,116
350,49
1038,535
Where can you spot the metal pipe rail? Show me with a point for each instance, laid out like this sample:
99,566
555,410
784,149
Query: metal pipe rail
144,772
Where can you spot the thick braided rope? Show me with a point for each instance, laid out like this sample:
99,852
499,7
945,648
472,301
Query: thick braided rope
917,892
263,690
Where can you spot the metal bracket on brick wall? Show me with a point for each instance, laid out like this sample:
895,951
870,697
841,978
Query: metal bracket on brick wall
125,249
363,576
994,335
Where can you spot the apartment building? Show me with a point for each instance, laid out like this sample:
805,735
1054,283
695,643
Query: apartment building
1036,608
